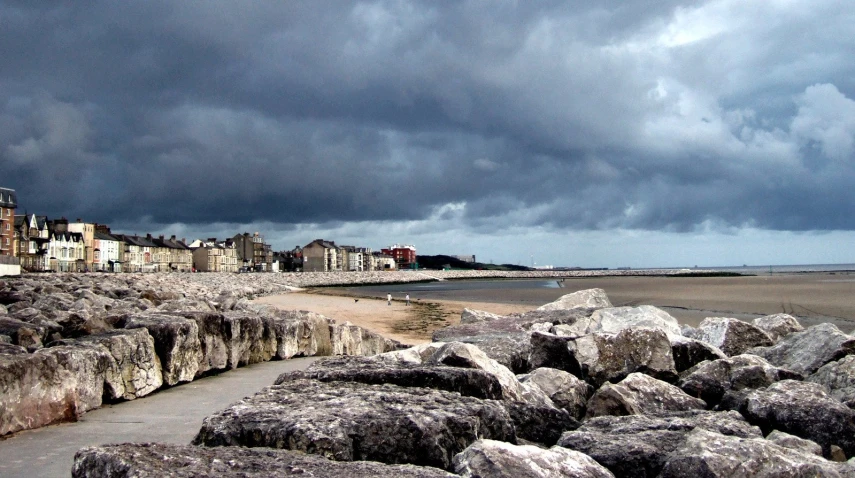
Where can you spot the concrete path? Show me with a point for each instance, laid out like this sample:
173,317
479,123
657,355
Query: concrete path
173,415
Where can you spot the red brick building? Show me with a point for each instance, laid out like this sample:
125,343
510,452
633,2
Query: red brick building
8,204
404,255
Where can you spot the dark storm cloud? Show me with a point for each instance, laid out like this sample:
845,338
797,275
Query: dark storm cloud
554,114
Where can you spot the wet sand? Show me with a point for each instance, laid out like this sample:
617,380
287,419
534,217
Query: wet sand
811,297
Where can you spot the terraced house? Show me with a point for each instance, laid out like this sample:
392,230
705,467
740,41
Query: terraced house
32,241
8,204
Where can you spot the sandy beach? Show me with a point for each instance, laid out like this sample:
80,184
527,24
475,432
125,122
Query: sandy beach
811,297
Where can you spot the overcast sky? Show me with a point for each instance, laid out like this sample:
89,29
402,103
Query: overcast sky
575,133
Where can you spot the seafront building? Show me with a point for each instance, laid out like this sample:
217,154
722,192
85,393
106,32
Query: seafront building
8,204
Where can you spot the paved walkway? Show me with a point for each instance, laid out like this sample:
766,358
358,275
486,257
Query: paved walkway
173,415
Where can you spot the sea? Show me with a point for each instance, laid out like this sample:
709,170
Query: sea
779,269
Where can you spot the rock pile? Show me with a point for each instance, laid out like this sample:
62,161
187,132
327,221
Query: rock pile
576,389
70,341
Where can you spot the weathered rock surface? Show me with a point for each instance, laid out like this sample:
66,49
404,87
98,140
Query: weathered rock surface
606,357
151,460
369,370
349,339
778,326
553,351
732,336
302,334
457,354
474,316
804,409
22,333
640,394
839,377
565,390
176,342
135,370
638,445
688,352
615,319
354,421
805,352
791,441
709,454
252,338
590,298
499,459
709,381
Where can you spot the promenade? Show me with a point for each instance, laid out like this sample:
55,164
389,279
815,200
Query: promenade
173,415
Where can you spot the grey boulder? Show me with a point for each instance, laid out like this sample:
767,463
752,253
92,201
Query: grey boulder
839,377
640,394
638,445
709,454
778,326
805,352
589,298
176,341
732,336
302,334
153,460
491,458
565,390
804,409
609,357
473,316
369,370
688,352
349,421
709,381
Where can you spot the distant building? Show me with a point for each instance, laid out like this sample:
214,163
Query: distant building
32,238
470,258
88,232
8,204
107,253
321,256
404,255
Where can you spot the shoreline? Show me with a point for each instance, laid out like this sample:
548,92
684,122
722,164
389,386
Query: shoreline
811,297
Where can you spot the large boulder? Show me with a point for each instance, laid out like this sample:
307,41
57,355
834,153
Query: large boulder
805,352
473,316
640,394
252,338
839,377
349,339
302,334
638,445
457,354
369,370
778,326
154,460
34,391
589,298
732,336
709,381
500,459
791,441
214,340
615,319
348,421
804,409
176,341
607,357
709,454
565,390
22,333
553,351
688,352
135,370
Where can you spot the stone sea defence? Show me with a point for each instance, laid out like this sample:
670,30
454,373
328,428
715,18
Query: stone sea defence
579,389
68,342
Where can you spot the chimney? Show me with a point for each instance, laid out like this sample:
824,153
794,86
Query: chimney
148,236
172,237
160,237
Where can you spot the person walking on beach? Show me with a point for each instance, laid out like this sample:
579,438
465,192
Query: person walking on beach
388,299
408,299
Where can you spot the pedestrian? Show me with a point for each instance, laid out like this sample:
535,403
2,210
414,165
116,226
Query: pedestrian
388,299
408,299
